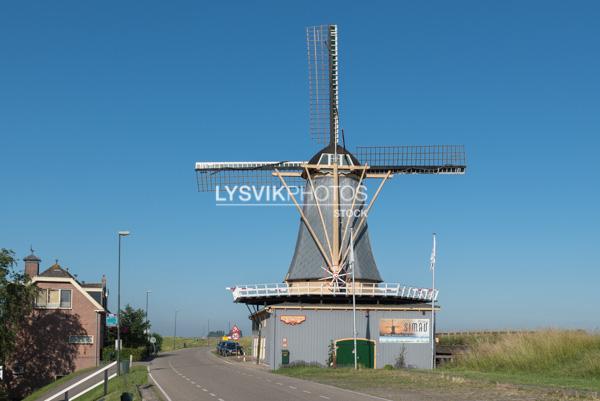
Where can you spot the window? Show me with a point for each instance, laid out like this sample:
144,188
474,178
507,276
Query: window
42,298
53,298
65,298
50,298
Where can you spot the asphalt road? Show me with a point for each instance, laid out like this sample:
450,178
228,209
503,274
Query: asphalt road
196,374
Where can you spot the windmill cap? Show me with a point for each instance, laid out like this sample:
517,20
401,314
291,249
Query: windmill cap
329,149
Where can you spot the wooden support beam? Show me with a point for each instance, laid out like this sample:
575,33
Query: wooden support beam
335,218
289,174
330,166
305,220
364,217
350,217
312,187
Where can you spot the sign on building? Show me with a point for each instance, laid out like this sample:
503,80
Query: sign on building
404,331
81,339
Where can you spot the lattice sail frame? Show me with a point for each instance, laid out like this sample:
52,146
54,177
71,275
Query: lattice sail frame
323,82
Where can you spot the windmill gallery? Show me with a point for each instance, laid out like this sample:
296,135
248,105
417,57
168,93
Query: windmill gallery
333,306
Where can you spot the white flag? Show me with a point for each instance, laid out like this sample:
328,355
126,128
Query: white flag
432,258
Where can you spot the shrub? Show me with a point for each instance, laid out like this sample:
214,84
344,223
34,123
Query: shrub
138,353
401,359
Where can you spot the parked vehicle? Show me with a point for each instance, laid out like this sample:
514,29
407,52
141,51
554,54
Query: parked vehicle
218,348
229,348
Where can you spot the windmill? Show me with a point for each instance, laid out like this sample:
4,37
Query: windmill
332,181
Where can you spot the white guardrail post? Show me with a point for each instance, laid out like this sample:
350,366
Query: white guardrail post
65,391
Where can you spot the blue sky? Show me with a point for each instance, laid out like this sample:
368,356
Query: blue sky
105,107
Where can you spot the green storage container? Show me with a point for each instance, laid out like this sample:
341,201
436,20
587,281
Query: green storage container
285,357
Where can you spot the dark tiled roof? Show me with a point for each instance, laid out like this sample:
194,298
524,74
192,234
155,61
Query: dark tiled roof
91,285
56,271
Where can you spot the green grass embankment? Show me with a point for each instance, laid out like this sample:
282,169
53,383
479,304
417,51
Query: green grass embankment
126,383
547,357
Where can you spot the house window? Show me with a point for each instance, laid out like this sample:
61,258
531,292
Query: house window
42,298
65,298
53,299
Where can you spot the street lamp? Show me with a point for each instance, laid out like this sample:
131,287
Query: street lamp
121,234
175,330
147,327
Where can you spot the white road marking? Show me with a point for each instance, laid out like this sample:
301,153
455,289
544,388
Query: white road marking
212,395
199,386
324,396
193,382
204,389
279,384
306,391
220,399
158,385
292,387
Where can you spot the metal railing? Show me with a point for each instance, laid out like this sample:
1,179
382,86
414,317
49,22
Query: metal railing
325,289
65,392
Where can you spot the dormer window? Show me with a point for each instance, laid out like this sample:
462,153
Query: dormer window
49,298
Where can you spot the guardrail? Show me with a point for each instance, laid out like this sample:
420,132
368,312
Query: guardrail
325,289
65,392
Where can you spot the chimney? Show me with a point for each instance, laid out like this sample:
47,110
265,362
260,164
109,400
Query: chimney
32,265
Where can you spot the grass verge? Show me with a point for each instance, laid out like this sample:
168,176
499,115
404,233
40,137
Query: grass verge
43,390
137,376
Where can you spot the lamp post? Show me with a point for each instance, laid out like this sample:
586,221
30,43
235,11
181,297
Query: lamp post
147,327
121,234
175,330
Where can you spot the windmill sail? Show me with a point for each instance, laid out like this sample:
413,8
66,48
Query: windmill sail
323,83
431,159
211,176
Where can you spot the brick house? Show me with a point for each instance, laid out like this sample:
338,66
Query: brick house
66,330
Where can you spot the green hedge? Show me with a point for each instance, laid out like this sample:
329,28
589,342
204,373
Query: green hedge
139,354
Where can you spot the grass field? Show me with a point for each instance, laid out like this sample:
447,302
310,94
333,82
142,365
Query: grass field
548,364
185,342
191,342
548,357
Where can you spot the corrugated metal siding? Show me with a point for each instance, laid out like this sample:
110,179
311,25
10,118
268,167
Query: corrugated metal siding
309,341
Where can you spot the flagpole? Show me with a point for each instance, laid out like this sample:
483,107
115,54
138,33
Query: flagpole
353,296
433,256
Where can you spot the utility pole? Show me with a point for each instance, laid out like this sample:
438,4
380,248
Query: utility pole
175,330
121,234
147,322
353,297
432,267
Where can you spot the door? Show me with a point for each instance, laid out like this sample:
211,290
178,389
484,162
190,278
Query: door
344,352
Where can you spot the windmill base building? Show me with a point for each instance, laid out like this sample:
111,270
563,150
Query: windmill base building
322,334
333,292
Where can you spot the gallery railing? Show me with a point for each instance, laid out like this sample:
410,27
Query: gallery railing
326,289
